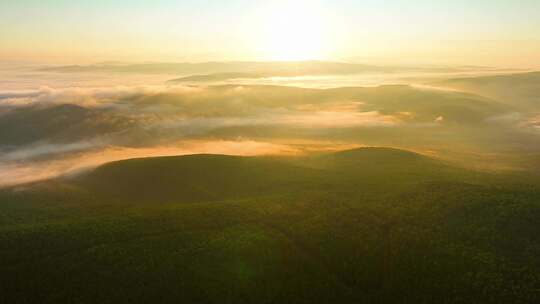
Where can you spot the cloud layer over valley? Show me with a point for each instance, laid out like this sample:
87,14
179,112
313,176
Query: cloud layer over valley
48,131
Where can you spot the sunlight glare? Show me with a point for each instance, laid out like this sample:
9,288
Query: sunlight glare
294,31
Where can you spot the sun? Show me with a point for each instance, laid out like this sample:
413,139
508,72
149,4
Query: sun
293,32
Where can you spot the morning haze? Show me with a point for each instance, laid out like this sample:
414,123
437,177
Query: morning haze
495,33
269,151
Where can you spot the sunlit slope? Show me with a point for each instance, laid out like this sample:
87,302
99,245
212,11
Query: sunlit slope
404,102
515,89
423,105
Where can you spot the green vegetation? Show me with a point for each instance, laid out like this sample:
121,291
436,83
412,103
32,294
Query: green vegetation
370,225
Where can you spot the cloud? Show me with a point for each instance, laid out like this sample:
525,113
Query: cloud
510,117
518,121
26,171
149,115
41,136
533,122
337,119
85,96
283,118
42,149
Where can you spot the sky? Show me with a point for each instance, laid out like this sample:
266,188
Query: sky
503,33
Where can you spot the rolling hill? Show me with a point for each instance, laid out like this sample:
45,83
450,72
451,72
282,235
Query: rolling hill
26,125
365,225
196,178
285,68
520,89
215,77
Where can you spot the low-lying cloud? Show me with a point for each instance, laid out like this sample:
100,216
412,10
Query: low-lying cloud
47,132
25,171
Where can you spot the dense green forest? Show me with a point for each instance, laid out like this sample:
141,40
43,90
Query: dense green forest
370,225
270,152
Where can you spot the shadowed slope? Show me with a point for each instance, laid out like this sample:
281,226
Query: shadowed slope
206,177
196,178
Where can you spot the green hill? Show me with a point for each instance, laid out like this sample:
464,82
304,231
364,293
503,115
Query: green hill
196,178
378,160
26,125
204,177
372,225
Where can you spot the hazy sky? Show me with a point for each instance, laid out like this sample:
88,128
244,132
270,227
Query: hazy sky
487,32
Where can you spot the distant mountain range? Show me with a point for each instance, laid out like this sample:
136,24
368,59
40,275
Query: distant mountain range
277,68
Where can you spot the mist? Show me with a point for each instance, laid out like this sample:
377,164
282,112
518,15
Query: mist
50,130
